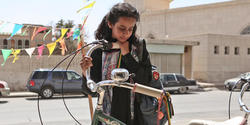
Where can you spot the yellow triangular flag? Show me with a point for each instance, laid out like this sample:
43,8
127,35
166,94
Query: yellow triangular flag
87,6
51,47
15,53
63,32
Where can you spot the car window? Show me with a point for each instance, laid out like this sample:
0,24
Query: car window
181,78
72,76
169,78
57,75
40,74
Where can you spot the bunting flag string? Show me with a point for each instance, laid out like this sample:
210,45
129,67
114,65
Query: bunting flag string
51,47
76,33
40,51
25,30
30,51
15,53
6,53
40,29
33,34
70,33
63,47
88,5
46,35
15,30
63,32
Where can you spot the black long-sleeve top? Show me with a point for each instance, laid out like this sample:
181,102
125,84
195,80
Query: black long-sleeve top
120,106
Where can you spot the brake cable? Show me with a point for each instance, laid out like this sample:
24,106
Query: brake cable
229,101
73,53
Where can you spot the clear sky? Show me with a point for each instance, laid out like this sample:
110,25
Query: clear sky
48,12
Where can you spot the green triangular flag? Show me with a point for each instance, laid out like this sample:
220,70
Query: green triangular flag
6,53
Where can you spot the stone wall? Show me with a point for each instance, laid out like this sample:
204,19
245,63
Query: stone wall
16,74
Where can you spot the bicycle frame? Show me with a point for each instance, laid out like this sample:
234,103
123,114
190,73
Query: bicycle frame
100,116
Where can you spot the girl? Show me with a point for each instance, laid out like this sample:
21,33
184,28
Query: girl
119,26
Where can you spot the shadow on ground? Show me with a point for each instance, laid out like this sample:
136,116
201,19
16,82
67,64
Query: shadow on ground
3,102
57,97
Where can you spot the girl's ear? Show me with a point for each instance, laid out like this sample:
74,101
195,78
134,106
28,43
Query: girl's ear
110,25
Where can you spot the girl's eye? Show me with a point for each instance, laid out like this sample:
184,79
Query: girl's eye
122,29
125,30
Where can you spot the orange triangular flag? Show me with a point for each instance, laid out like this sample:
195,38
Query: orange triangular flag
63,47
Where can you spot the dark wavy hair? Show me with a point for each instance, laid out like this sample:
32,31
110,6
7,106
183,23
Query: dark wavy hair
117,11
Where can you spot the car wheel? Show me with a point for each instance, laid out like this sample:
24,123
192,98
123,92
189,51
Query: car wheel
182,90
47,92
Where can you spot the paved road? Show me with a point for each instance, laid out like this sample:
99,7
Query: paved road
210,105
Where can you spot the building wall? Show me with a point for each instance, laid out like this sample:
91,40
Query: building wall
223,65
219,18
187,62
210,67
17,74
143,5
167,62
16,38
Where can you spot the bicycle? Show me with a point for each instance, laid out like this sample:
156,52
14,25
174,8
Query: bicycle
239,120
119,77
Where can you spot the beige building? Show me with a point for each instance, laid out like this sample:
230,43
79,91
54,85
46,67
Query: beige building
222,30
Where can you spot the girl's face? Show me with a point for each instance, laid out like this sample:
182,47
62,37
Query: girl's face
123,28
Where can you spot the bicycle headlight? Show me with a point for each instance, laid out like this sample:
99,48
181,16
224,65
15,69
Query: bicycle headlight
119,75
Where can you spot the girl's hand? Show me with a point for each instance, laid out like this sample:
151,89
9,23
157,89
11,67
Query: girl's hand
85,63
124,46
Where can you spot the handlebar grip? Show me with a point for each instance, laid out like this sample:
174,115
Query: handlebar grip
148,90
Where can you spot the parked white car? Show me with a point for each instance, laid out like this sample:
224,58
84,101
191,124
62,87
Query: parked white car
4,88
230,83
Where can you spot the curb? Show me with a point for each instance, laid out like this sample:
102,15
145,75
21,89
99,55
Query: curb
20,94
202,86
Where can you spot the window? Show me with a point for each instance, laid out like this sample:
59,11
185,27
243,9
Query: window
226,50
181,78
216,49
27,44
5,44
72,76
248,51
236,50
13,43
19,44
169,78
57,75
40,75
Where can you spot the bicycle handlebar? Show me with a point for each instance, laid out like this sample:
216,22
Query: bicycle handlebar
139,88
243,89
